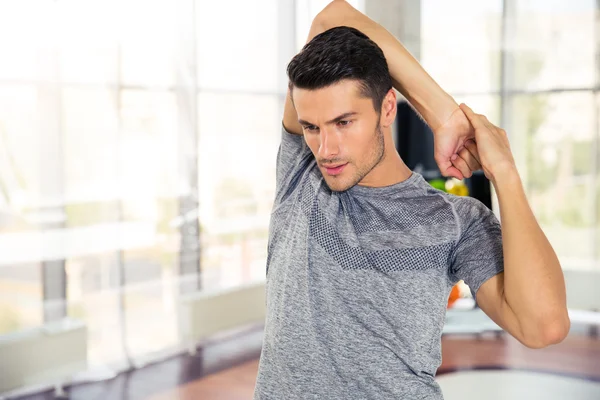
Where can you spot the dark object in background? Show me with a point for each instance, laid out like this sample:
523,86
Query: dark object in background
414,142
479,188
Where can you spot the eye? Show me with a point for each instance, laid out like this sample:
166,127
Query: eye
310,128
343,123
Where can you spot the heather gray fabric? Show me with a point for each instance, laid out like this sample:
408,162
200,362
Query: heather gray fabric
358,282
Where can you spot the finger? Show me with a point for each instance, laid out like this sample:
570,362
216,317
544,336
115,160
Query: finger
446,168
454,172
471,161
475,119
462,166
472,147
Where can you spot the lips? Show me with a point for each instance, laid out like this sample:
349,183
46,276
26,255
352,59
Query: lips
334,169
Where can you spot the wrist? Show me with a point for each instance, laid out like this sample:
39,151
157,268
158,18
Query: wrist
505,175
450,118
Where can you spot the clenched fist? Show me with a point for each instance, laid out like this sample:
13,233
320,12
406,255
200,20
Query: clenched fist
489,151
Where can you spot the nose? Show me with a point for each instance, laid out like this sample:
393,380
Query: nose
330,144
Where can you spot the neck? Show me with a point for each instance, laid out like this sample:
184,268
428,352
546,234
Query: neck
390,170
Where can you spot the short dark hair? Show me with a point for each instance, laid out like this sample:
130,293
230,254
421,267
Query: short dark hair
342,53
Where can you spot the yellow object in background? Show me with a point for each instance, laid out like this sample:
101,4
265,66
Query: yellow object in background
457,187
439,184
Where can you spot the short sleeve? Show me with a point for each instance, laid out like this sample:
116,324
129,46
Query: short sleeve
478,253
293,158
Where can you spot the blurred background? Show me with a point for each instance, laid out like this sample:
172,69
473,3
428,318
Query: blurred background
137,170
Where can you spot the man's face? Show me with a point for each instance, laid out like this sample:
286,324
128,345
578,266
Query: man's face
343,131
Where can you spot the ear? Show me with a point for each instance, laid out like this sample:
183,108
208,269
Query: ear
389,109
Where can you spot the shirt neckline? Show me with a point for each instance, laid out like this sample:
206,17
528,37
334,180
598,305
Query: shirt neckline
412,180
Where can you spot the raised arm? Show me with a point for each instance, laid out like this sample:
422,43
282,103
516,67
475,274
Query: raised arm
436,107
529,298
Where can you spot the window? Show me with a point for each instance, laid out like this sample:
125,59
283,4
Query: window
460,44
21,247
169,115
241,54
558,135
239,137
149,173
91,55
531,68
551,56
486,104
551,44
150,53
21,58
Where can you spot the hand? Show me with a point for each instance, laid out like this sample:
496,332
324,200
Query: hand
490,151
449,140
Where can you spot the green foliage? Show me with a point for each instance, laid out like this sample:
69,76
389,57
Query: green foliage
541,174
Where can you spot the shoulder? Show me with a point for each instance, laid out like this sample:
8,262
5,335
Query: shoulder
471,213
468,206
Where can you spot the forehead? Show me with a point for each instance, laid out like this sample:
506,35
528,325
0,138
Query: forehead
330,101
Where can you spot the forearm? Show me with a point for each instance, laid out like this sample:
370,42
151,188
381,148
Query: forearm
408,76
534,287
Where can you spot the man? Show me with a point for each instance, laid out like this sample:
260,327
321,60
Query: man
363,252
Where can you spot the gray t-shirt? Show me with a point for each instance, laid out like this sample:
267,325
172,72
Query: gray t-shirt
358,282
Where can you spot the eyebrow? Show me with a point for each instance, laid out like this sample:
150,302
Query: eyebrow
333,121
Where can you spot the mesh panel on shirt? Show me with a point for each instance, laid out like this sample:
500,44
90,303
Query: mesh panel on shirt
387,261
401,215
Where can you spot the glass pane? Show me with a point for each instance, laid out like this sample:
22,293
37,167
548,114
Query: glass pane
467,59
240,54
121,196
151,278
21,295
488,105
90,134
88,50
93,296
557,134
91,145
149,42
237,181
21,250
552,44
148,148
149,175
20,166
23,34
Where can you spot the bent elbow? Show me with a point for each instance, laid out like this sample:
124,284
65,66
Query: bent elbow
329,16
550,332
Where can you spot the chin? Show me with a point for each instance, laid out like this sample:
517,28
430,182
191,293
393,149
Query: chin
338,185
